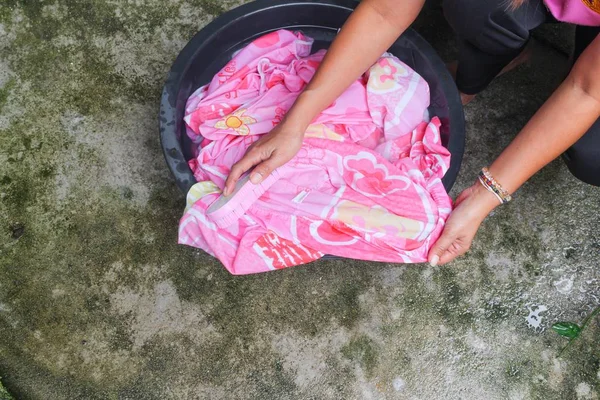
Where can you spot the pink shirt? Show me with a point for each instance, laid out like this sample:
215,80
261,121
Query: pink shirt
579,12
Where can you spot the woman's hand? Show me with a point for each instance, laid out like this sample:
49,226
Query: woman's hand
369,31
562,121
470,209
269,152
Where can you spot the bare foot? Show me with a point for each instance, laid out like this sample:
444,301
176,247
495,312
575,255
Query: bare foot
466,98
452,67
522,58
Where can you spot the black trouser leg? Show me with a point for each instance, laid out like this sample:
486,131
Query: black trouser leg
490,36
583,158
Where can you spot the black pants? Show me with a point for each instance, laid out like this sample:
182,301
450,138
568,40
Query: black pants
490,36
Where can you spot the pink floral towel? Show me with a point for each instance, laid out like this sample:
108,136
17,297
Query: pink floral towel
366,183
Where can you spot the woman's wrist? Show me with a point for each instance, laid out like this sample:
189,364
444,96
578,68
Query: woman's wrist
293,126
305,109
483,199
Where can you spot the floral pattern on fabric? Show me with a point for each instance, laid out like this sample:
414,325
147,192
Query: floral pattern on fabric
366,183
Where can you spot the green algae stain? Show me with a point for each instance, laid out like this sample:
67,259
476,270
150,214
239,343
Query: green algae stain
5,92
71,244
532,269
362,350
82,17
98,17
305,300
345,306
61,54
211,6
518,370
4,395
324,298
75,254
495,310
452,303
6,15
80,74
514,237
17,197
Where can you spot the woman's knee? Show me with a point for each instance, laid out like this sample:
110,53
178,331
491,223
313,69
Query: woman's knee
489,24
457,14
583,160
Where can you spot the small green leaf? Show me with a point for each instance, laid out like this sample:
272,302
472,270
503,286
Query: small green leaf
567,329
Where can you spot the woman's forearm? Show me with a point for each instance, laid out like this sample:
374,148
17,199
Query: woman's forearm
559,123
371,29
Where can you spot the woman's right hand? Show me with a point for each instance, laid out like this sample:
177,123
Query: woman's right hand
369,31
470,209
269,152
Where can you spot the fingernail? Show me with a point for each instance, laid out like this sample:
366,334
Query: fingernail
226,191
256,178
434,261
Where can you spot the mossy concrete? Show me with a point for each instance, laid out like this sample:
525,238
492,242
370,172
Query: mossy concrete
4,395
97,301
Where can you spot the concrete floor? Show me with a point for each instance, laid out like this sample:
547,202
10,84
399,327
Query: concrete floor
97,301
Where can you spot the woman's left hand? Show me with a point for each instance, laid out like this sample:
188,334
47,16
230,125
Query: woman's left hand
470,209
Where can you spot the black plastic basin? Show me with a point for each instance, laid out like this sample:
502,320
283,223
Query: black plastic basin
212,47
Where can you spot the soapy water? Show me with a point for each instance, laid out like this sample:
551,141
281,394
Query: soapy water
534,319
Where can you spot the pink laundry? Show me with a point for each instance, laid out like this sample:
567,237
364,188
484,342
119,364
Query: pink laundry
365,185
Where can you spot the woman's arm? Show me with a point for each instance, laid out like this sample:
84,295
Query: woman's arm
559,123
371,29
562,120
